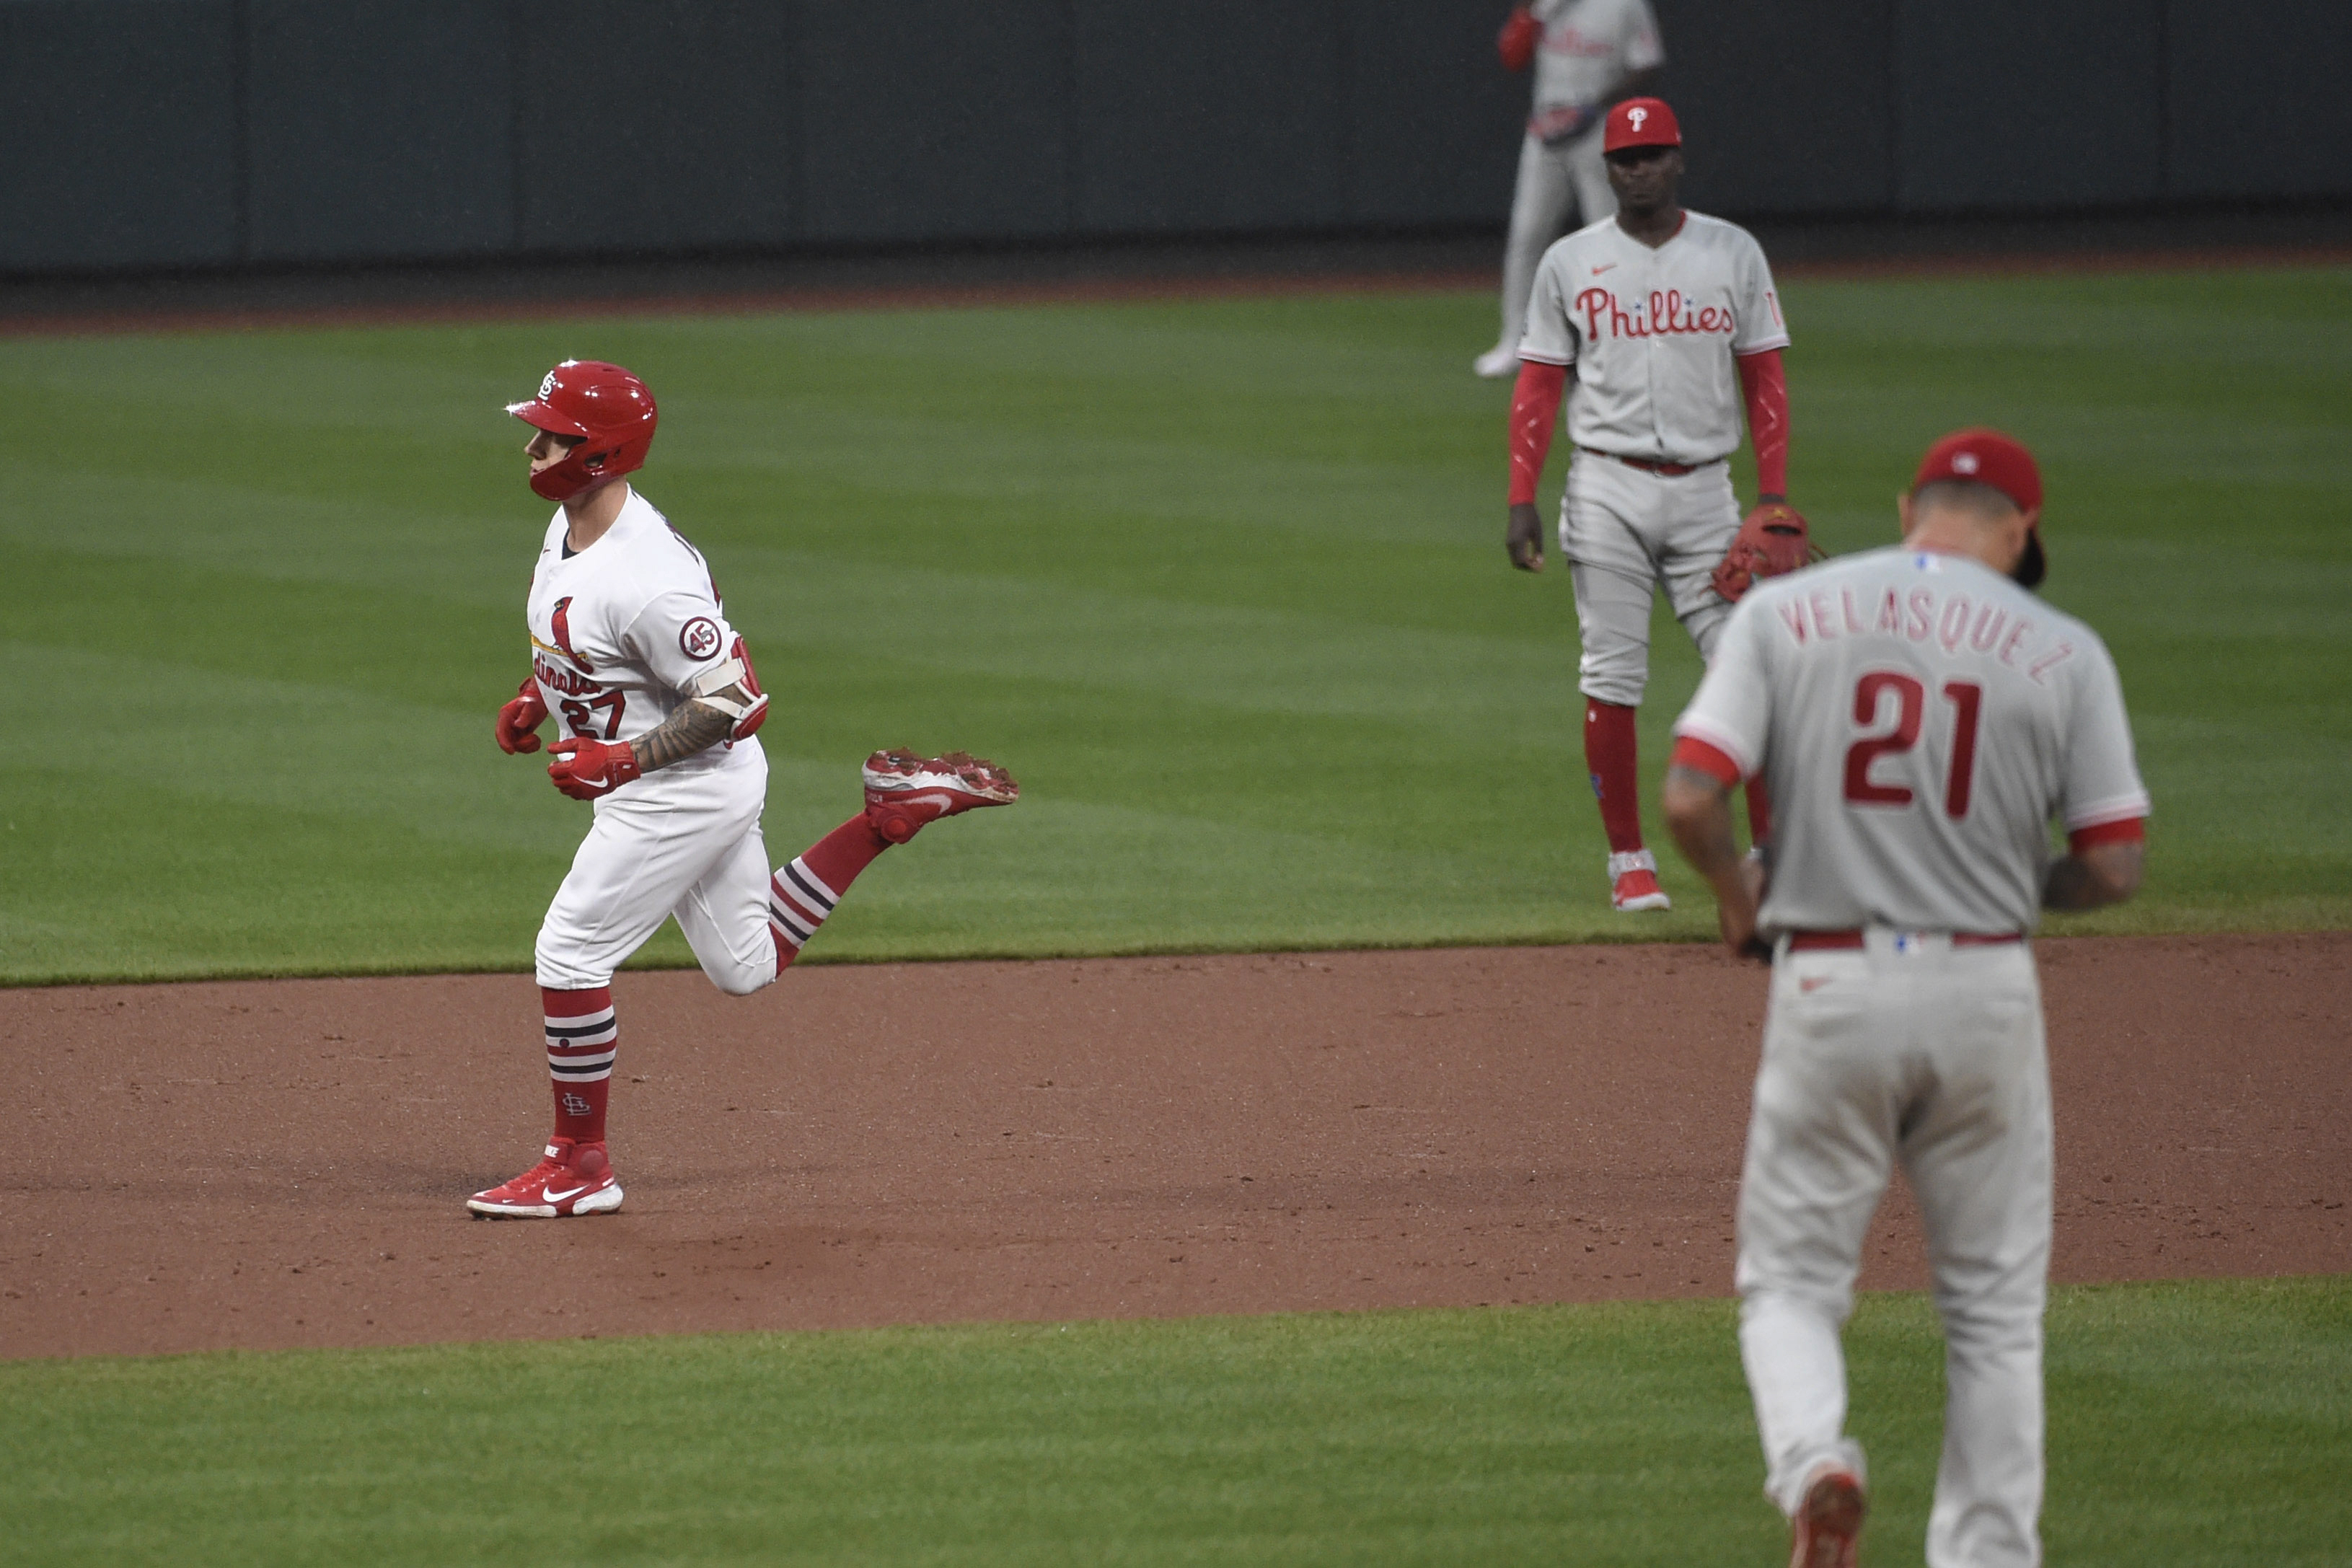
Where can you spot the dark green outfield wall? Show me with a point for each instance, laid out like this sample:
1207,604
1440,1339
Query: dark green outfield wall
161,133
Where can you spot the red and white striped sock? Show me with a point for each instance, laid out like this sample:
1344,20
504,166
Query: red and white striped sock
805,891
582,1038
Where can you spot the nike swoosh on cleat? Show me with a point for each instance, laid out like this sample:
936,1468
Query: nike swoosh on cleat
555,1197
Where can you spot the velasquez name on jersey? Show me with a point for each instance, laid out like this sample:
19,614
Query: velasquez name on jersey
1949,620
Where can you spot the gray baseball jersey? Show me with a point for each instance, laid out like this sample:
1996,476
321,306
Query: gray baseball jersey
1651,333
1589,47
1919,719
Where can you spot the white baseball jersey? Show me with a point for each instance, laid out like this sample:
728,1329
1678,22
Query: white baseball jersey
1919,719
1589,47
619,630
1653,332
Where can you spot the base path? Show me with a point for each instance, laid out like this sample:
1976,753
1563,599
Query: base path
284,1163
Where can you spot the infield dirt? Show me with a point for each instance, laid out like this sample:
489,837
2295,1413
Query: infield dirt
283,1163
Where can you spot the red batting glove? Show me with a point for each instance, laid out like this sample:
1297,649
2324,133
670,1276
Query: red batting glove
586,770
519,720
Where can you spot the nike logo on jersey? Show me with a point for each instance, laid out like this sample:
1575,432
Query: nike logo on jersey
1813,983
1603,267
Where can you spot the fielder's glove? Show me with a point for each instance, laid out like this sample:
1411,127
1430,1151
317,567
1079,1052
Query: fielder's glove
519,720
1772,540
1553,127
585,769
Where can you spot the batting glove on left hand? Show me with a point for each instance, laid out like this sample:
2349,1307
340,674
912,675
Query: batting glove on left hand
586,770
519,720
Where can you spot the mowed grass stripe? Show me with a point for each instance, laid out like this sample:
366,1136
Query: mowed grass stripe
2201,1424
1219,580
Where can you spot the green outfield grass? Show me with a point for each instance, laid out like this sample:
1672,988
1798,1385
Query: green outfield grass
2197,1425
1222,582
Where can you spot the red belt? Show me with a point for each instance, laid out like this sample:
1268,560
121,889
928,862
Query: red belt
1826,941
1652,465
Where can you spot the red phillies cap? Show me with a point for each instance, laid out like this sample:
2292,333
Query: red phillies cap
1641,122
1985,457
1989,457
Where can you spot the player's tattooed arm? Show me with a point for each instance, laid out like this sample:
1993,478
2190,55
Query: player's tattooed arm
695,727
2093,876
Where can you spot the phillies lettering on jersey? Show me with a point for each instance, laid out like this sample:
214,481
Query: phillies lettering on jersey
1653,333
1661,314
1920,719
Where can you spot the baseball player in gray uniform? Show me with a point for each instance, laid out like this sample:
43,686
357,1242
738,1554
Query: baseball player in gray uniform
1587,53
1669,325
1923,719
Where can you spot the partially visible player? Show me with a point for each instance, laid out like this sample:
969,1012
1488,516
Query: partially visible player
631,648
1588,54
1669,322
1923,719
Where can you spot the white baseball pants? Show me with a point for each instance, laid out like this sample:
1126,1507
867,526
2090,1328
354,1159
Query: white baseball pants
1552,180
1909,1050
683,842
1624,528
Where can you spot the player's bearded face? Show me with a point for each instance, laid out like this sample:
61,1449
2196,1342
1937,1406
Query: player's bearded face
546,449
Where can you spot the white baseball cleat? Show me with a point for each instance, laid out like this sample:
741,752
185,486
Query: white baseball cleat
903,791
1501,361
1634,882
1827,1530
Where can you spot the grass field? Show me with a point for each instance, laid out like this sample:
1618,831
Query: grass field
2205,1425
1222,582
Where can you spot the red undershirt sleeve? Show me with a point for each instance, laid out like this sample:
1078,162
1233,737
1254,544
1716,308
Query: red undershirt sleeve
1535,414
1764,387
1698,755
2130,831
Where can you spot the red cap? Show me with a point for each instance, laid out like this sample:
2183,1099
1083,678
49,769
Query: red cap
1989,457
1641,122
1986,458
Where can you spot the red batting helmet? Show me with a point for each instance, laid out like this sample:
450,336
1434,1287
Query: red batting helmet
608,408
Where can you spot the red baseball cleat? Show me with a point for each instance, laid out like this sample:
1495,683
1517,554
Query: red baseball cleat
573,1178
904,791
1828,1526
1634,882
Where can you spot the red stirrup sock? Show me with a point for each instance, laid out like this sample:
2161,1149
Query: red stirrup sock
802,893
1759,812
1608,755
582,1037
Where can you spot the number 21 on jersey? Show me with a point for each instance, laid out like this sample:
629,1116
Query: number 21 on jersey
1965,696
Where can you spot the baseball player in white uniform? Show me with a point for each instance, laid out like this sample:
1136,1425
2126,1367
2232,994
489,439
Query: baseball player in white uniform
1923,719
657,705
1588,54
1669,322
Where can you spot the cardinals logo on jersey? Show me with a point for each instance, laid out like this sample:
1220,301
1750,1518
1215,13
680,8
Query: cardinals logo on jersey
562,623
